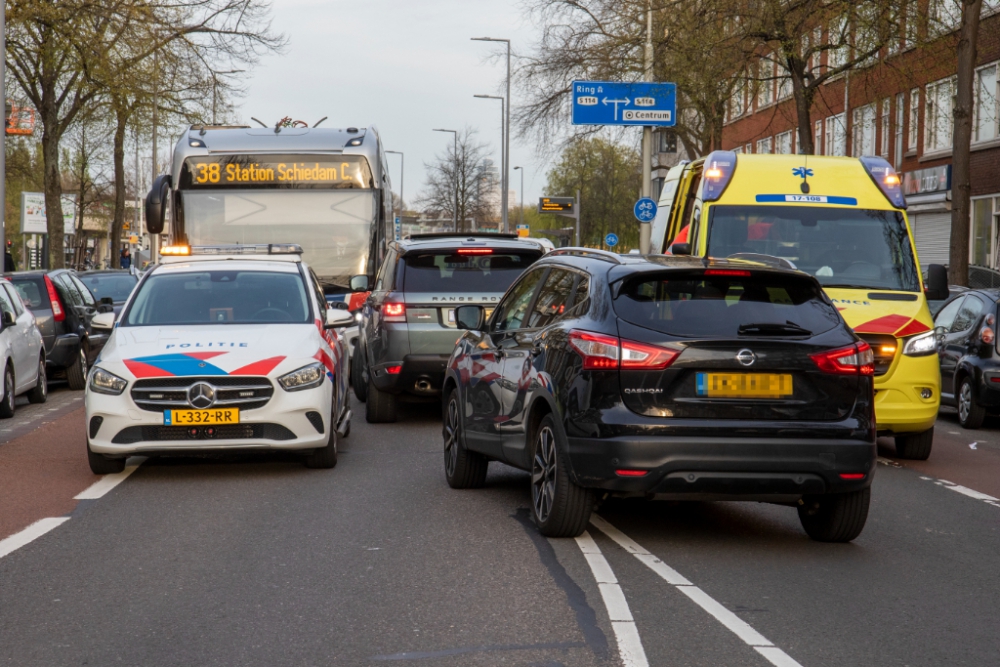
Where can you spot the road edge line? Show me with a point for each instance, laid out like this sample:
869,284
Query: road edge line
626,633
106,483
12,543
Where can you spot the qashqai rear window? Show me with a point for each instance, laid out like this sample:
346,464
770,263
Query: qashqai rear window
449,271
730,304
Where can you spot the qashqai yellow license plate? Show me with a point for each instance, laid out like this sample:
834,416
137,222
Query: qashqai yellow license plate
744,385
199,417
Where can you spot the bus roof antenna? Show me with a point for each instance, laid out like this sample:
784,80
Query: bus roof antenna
261,124
320,121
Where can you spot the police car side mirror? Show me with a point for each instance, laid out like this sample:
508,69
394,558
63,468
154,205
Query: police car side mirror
469,317
359,283
681,249
936,287
337,317
103,321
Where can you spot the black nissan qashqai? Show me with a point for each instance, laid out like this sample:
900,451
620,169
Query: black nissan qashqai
667,378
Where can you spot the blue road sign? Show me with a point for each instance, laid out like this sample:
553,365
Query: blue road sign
611,103
645,210
611,239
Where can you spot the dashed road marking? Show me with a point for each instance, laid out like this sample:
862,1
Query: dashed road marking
734,623
964,490
32,532
629,644
106,483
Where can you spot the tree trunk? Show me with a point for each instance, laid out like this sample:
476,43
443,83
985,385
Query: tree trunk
121,122
53,192
803,114
961,177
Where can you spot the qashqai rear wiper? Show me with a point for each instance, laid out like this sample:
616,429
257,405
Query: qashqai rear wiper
772,329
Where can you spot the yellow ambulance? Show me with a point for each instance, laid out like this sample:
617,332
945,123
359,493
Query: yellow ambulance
842,220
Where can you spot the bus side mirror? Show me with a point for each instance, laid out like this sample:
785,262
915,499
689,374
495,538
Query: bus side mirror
359,283
936,288
156,204
681,249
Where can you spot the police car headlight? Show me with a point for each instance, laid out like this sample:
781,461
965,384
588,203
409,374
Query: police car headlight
306,377
104,382
920,346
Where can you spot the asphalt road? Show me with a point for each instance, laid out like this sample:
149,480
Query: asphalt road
260,561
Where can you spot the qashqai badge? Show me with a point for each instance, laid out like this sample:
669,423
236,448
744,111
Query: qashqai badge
201,396
746,357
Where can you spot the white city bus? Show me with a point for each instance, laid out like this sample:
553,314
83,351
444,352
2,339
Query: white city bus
325,189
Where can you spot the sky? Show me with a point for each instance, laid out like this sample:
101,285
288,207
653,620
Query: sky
405,66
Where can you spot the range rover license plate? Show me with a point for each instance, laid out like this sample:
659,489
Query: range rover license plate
198,417
744,385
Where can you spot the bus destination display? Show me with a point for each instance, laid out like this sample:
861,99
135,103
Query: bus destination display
275,171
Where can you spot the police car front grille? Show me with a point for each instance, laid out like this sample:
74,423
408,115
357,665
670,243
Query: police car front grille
135,434
159,394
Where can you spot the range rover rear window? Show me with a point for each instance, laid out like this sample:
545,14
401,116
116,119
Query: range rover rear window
449,271
729,304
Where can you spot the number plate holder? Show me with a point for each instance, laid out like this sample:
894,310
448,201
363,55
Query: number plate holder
209,417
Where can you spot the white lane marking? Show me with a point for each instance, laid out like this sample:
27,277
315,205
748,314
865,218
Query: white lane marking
627,635
734,623
32,532
106,483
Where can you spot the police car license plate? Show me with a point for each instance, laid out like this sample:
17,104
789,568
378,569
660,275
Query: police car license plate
198,417
744,385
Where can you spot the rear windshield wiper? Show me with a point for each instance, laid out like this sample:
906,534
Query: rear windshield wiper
772,329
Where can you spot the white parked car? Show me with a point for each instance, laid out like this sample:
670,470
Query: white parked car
21,351
224,348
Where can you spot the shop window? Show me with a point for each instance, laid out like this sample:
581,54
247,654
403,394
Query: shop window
838,35
987,96
911,25
765,83
939,121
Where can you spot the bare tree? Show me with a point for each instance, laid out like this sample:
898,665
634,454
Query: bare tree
961,183
455,179
88,173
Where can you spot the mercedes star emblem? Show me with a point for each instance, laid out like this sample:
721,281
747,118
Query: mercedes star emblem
746,357
201,395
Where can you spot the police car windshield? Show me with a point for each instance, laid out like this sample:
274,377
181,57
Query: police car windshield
220,297
864,249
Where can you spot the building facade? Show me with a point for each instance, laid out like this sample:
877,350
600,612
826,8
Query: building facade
900,107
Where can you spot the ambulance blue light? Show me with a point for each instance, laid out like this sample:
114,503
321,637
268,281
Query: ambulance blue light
718,171
886,178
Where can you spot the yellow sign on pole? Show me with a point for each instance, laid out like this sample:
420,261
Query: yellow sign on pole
133,239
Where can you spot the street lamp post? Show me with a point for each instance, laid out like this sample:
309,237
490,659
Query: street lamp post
455,212
402,175
503,162
522,195
506,149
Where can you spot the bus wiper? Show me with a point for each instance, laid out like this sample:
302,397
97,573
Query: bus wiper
771,329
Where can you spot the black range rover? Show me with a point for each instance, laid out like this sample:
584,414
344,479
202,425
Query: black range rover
666,377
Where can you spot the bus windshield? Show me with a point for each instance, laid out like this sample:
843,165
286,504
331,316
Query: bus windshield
866,249
334,227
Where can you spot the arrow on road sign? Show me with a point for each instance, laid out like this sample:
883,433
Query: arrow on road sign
626,102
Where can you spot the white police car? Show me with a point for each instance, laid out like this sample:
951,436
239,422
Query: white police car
221,348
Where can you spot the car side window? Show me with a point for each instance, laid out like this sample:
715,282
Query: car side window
15,299
552,300
581,297
88,297
946,317
514,308
69,289
320,297
386,272
970,311
6,305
